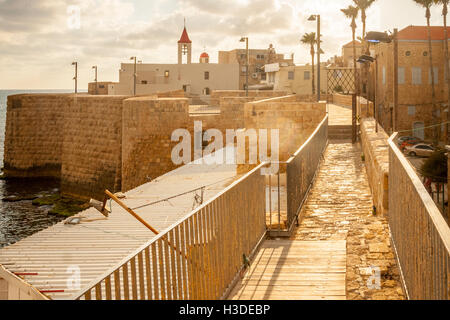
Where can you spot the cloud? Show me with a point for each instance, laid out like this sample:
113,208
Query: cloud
37,40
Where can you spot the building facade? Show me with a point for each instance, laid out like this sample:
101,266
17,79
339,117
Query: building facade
415,112
257,59
295,79
196,79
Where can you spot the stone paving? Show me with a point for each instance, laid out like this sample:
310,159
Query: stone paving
340,208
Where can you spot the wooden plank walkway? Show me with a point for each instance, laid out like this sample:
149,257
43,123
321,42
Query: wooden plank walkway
295,270
51,257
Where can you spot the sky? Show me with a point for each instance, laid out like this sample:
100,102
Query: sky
39,39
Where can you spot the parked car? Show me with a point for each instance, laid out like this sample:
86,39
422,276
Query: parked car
421,150
405,139
409,143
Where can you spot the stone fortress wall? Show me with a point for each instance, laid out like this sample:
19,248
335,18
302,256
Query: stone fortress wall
93,143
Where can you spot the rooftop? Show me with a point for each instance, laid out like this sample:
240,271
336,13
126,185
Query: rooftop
421,33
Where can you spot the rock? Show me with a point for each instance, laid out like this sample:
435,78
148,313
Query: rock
19,198
378,248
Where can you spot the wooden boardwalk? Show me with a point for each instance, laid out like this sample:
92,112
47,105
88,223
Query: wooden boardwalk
295,270
49,259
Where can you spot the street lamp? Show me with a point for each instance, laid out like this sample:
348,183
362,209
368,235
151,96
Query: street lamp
247,62
135,73
369,59
96,86
76,75
317,18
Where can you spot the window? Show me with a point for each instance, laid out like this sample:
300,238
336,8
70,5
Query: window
401,75
206,75
291,75
206,91
101,86
263,76
411,110
416,75
408,53
144,82
384,75
307,75
243,56
243,69
425,53
436,75
166,73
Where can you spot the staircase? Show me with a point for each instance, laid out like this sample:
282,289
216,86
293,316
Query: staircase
340,132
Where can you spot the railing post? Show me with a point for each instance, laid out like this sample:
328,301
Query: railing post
354,118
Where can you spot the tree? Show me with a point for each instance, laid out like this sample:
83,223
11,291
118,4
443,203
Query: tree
363,6
427,5
351,12
310,39
444,4
435,167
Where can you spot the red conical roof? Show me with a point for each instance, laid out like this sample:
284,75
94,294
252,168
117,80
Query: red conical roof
184,37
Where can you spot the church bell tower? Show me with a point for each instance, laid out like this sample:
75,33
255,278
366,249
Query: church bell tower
184,47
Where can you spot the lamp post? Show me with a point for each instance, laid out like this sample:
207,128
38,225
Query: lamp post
76,76
317,18
369,59
134,74
247,62
96,81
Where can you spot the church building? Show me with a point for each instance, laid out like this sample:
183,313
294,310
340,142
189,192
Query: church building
196,79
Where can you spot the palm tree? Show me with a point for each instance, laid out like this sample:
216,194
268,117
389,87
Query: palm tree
427,5
310,39
351,12
363,6
444,4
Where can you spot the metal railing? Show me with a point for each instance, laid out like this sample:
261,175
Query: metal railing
420,234
197,258
294,181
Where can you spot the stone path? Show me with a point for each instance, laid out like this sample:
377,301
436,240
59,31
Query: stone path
340,208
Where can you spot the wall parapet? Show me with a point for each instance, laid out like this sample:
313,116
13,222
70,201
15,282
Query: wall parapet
376,152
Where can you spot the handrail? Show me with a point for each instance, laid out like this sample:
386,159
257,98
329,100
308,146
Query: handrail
21,285
301,170
420,234
164,233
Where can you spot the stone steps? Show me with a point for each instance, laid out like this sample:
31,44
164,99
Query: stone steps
342,132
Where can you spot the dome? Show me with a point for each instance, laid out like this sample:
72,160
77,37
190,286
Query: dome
204,55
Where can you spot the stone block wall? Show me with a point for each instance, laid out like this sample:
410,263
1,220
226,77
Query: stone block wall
92,143
376,151
342,100
216,95
295,120
33,135
148,124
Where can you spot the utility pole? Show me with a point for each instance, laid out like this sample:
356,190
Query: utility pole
375,109
135,73
318,57
395,118
76,76
247,63
96,81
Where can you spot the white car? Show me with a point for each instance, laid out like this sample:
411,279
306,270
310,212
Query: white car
422,150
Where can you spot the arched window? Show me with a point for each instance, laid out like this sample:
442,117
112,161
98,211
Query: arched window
206,92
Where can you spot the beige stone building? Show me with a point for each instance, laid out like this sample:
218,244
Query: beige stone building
347,53
257,59
295,79
198,80
414,81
